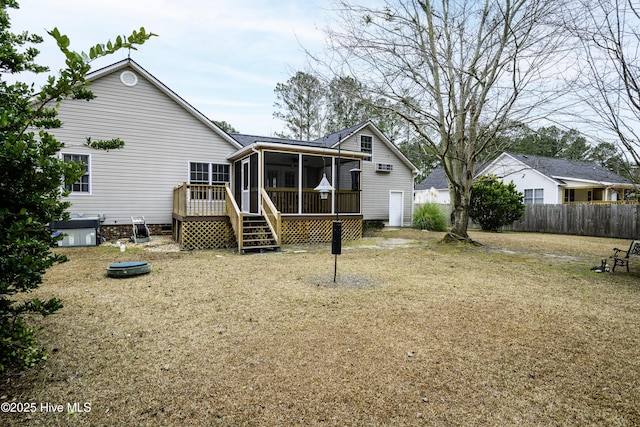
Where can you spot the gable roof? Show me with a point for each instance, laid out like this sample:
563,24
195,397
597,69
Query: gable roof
436,179
130,63
565,169
335,138
331,141
338,137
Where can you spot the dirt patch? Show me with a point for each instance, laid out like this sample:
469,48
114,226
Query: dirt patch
155,244
343,281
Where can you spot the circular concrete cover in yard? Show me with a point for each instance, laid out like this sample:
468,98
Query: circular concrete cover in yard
128,269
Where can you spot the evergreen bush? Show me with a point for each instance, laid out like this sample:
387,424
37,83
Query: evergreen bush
495,204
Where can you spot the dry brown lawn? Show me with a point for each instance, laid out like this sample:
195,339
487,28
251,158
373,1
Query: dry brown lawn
518,331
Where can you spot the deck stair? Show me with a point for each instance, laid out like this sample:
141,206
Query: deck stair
256,235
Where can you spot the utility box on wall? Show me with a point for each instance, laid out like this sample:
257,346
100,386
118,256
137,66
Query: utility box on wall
77,232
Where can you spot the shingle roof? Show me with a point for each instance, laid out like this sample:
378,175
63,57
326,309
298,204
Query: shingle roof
565,168
332,139
324,142
436,179
246,140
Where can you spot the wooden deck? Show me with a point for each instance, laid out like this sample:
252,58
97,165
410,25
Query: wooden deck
207,217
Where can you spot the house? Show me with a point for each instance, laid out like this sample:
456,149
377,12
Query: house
543,180
185,175
547,180
433,189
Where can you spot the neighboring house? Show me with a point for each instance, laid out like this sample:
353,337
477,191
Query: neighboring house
550,180
544,180
433,189
183,173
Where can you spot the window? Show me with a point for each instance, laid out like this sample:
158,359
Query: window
219,173
207,174
81,186
366,146
199,173
569,195
534,196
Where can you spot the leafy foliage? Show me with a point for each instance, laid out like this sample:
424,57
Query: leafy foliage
31,175
430,216
495,204
225,126
300,102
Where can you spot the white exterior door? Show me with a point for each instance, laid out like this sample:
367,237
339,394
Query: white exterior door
396,204
246,193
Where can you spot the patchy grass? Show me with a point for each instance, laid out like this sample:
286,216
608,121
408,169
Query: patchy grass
517,331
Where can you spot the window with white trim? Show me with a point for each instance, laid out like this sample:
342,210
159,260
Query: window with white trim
366,146
534,196
83,185
220,173
207,174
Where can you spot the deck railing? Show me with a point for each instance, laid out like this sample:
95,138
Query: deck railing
273,217
200,200
180,199
235,216
286,201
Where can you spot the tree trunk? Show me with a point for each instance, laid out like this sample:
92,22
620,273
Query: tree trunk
460,175
459,212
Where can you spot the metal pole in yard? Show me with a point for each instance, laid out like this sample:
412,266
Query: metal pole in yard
337,229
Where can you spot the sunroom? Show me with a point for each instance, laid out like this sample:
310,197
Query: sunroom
279,194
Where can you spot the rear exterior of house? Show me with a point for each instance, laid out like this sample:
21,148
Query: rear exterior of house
387,177
184,175
162,139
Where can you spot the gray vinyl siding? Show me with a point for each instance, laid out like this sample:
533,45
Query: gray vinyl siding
161,139
377,185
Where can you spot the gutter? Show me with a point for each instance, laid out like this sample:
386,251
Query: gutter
294,149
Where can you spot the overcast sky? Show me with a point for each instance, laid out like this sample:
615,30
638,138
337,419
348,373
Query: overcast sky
224,57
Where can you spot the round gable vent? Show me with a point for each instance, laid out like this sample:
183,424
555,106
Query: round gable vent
128,78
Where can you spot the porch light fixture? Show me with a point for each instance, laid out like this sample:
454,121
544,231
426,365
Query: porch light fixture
324,187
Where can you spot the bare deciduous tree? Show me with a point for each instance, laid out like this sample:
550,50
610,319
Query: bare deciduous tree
459,71
609,31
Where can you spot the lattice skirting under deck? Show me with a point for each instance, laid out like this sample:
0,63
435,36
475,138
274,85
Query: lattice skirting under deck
318,230
218,233
209,234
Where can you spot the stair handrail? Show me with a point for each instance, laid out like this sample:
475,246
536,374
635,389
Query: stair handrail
272,216
235,216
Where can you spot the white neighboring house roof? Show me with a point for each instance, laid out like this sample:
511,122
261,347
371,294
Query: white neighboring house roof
561,170
125,63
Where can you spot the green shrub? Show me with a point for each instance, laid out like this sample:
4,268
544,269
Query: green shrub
33,177
430,216
494,203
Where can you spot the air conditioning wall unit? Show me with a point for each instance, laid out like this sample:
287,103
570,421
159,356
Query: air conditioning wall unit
384,167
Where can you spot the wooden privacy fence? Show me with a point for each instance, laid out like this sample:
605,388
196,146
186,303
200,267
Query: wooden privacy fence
599,220
612,220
